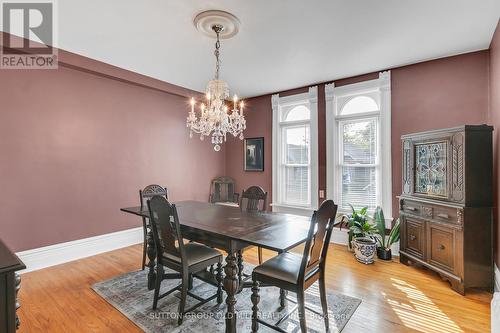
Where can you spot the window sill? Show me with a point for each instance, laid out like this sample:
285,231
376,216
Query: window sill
296,210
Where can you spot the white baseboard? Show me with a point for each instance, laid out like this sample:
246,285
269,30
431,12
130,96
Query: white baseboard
64,252
341,237
497,279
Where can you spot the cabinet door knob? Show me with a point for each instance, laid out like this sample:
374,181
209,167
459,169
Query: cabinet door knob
441,247
410,208
413,237
444,216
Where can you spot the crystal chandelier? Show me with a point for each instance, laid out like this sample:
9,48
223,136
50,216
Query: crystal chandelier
215,119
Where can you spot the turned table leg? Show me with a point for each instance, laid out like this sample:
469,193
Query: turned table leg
240,267
231,286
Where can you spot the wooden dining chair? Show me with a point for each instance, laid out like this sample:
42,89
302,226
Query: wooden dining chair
184,259
296,273
254,198
144,195
222,191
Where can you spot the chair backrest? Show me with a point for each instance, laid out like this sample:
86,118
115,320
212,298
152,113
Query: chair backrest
252,197
222,189
166,228
318,239
150,191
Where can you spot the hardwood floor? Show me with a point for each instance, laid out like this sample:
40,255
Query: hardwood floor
396,298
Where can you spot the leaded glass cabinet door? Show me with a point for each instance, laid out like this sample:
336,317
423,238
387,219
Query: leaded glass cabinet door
431,166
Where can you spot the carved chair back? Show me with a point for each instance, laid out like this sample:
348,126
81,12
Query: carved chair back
318,239
252,197
166,229
150,191
222,190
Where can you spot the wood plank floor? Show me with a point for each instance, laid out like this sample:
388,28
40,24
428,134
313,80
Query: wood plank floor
396,298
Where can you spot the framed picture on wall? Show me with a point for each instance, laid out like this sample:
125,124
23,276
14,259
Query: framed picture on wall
254,154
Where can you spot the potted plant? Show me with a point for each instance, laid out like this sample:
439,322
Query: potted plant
361,235
385,242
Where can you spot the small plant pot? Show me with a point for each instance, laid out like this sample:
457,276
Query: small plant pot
364,249
384,254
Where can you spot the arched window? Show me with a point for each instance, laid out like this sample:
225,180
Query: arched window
358,144
295,152
359,104
300,112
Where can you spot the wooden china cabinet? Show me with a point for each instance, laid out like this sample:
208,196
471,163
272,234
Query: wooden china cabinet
446,204
9,287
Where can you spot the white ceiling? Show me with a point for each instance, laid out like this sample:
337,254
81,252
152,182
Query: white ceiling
282,44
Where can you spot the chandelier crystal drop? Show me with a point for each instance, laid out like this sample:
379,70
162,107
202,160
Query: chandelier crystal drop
215,119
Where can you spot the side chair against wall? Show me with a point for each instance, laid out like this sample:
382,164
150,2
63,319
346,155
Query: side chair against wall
296,273
222,191
251,200
185,259
144,195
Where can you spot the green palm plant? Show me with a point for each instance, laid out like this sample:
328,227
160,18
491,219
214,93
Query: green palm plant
384,241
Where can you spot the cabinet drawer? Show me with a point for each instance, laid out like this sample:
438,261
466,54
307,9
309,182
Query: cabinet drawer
411,207
441,247
414,237
445,214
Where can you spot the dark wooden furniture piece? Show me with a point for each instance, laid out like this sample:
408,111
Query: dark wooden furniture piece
222,191
185,259
230,229
144,195
296,273
446,204
251,200
10,283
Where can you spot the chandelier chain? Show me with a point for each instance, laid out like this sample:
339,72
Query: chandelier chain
217,54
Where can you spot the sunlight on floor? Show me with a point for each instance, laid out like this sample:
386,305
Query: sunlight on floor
420,313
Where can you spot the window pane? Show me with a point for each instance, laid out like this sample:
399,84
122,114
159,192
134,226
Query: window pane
360,104
359,187
360,142
296,144
296,185
300,112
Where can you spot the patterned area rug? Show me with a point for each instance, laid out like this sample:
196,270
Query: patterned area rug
129,294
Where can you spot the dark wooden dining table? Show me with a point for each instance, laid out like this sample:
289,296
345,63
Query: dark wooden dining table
232,230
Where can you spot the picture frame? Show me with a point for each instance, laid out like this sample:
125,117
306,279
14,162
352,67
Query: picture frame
253,151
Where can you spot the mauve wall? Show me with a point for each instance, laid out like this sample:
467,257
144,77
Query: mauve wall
77,146
430,95
495,121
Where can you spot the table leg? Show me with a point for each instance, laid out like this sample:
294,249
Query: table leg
151,264
283,300
240,267
231,286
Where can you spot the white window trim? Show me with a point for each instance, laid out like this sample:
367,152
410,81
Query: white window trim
312,98
383,83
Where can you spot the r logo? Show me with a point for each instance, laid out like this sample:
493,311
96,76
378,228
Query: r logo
33,22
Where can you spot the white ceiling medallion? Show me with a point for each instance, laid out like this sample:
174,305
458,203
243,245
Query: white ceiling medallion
205,21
